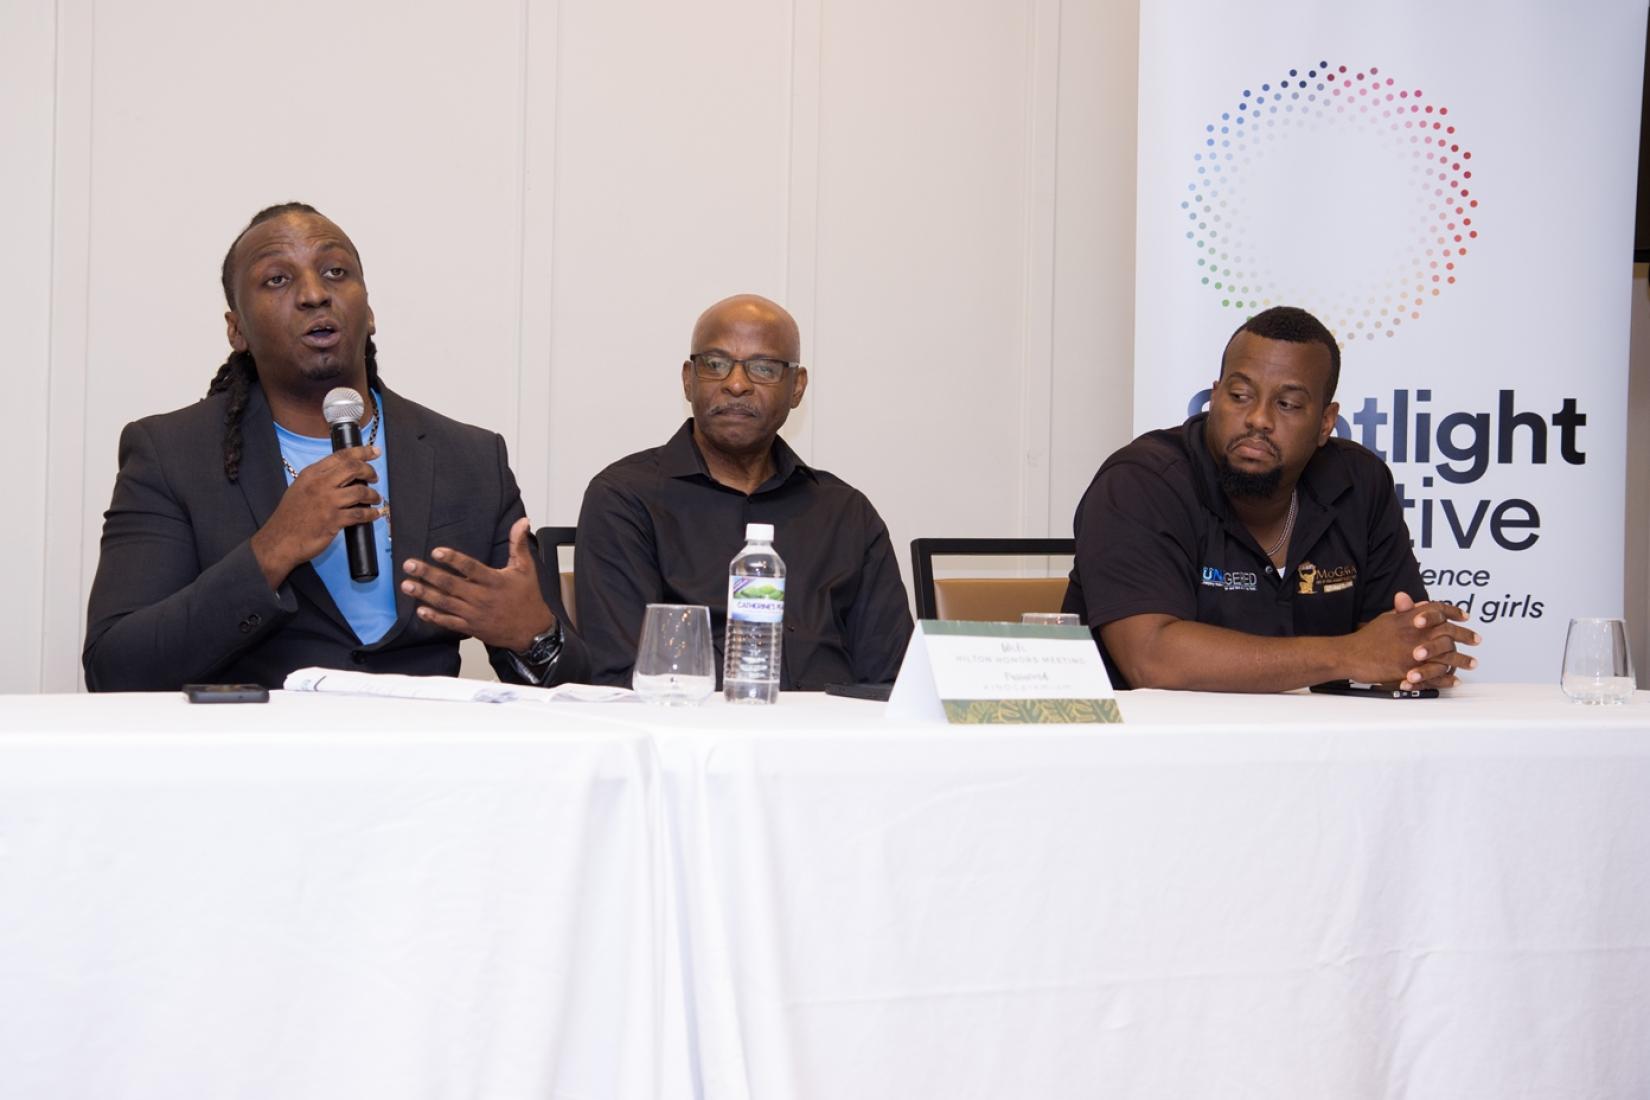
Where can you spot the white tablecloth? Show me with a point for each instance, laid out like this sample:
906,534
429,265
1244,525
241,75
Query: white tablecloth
1287,896
340,898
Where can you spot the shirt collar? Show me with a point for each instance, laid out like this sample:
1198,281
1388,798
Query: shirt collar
680,458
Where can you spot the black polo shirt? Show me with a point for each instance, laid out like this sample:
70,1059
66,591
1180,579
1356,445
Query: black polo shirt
1155,536
657,528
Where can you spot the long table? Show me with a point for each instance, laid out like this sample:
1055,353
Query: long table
1227,896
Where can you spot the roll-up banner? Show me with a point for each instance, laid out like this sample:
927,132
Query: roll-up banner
1449,186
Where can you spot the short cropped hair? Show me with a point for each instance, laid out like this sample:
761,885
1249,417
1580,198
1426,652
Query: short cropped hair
1296,326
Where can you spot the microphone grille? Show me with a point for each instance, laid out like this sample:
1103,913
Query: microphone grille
343,406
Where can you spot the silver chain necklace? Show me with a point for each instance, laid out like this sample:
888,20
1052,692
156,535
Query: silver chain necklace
371,439
1288,526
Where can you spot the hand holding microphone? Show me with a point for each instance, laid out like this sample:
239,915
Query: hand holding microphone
326,497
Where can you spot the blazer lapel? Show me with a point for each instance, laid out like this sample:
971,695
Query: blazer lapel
263,481
412,481
261,478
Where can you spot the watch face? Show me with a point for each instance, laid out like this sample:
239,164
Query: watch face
544,646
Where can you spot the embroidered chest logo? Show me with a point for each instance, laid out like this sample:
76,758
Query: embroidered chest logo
1312,580
1234,580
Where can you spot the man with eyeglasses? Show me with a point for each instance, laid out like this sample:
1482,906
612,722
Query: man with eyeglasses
661,525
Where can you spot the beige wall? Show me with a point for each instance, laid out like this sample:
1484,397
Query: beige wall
545,194
27,33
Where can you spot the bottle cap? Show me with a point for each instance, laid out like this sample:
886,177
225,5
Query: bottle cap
758,532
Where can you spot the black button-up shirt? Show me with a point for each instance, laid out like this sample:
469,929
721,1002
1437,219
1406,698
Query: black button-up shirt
1155,535
657,528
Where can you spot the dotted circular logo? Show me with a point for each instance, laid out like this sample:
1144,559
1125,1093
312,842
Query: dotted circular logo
1337,190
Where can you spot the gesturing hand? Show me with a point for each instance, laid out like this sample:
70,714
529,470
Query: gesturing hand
501,607
321,501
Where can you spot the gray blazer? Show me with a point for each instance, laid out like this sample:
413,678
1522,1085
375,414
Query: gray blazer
179,597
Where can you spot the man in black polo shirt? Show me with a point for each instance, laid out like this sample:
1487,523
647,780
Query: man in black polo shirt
661,525
1249,549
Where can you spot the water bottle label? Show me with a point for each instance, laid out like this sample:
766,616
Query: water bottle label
756,599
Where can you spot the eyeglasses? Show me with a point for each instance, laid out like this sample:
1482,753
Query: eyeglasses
764,372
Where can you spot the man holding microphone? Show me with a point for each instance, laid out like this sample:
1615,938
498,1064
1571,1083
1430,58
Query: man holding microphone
222,556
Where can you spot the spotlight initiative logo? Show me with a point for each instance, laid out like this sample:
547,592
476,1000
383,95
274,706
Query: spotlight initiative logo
1337,189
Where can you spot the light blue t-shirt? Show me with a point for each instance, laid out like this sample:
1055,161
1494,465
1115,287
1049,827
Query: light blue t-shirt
368,607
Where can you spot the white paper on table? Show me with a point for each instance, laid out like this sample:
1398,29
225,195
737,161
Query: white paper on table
449,688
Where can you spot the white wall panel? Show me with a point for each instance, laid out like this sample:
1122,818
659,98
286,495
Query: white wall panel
1093,392
64,519
923,184
672,159
1037,284
27,78
400,122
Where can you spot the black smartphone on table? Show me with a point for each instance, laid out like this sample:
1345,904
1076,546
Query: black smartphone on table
226,693
1373,691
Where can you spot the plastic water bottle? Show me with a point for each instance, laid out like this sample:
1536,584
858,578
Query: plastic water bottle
756,620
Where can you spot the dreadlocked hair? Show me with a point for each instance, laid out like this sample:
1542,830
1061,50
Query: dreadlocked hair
235,378
239,371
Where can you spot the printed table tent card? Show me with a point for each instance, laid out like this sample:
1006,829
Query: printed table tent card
1003,673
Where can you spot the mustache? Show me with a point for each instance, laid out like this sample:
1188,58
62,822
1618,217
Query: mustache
737,408
1257,437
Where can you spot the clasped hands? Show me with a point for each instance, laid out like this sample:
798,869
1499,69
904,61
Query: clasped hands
1414,645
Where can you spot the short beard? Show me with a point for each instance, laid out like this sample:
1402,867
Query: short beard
324,372
1241,486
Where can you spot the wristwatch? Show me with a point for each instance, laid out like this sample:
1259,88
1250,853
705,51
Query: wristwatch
544,648
536,661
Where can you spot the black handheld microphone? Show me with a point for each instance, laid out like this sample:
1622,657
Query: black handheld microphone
343,408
